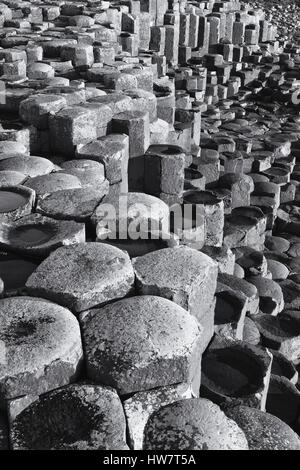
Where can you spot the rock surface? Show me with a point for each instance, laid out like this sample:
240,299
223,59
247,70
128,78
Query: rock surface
149,183
83,276
166,348
75,417
195,424
41,346
263,430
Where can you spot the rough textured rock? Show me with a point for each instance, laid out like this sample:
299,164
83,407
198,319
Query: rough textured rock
188,113
83,276
230,313
195,424
75,417
29,166
242,287
11,178
35,235
89,172
281,333
268,289
166,349
140,407
251,333
235,372
165,273
72,204
15,202
133,213
282,367
52,183
263,430
41,346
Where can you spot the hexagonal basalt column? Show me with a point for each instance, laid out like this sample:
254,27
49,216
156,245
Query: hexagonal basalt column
75,417
36,109
72,126
244,288
235,372
240,186
208,164
11,178
213,208
230,312
282,367
51,183
83,276
15,202
111,154
133,218
166,349
223,256
195,424
136,125
266,194
252,262
72,204
35,235
164,172
241,230
89,172
263,430
29,166
283,401
270,293
41,346
184,276
281,333
255,213
141,405
193,179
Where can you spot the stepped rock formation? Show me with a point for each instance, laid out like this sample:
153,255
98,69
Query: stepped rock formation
149,225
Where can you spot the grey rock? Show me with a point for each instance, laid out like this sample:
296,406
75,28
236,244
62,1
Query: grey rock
183,275
263,430
35,235
41,346
195,424
15,202
75,417
83,276
47,184
72,204
166,349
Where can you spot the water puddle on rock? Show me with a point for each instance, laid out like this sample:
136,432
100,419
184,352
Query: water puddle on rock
10,201
31,235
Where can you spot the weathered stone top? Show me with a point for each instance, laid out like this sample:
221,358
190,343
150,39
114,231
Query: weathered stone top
165,350
83,276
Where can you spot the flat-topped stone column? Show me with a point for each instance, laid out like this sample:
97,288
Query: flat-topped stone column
183,275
